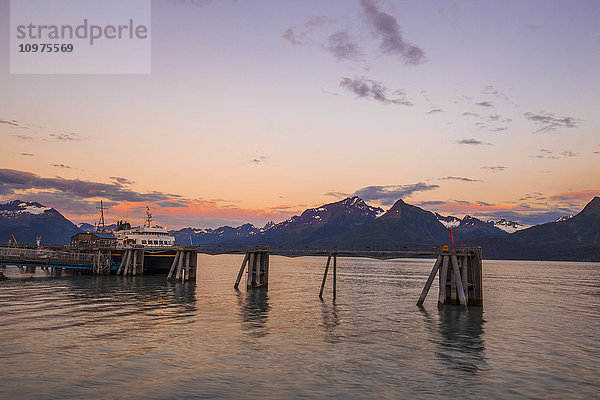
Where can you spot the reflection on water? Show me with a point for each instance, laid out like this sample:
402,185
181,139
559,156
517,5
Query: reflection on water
331,320
254,311
462,345
458,335
142,337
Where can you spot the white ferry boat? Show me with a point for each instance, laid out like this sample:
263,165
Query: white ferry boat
145,235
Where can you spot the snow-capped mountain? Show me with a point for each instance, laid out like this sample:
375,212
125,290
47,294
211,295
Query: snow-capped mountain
319,222
206,236
469,222
401,226
449,221
268,226
27,220
18,209
510,226
564,218
469,226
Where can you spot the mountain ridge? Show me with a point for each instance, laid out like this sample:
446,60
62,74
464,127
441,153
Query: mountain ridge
353,224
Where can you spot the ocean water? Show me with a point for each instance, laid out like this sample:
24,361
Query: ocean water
73,337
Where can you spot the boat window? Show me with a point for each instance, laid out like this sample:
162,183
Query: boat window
143,242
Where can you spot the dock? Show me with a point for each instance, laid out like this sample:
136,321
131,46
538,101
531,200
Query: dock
460,268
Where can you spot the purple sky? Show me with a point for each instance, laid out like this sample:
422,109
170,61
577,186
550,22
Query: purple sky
255,110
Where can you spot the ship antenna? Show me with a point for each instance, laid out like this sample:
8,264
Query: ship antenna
101,220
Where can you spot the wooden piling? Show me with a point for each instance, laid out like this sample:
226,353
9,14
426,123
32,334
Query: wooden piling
325,276
173,265
443,279
463,283
134,264
434,271
124,257
458,279
256,264
180,265
251,266
239,277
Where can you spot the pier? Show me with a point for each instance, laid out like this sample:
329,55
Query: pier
460,280
125,261
460,268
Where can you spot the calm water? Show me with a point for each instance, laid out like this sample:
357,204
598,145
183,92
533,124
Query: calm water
538,335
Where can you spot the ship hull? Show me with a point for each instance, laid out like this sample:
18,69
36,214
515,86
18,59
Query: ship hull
155,261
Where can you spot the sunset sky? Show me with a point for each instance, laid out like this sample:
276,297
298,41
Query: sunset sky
255,110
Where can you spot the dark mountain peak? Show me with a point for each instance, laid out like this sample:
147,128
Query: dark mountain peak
594,204
353,201
591,209
399,208
350,205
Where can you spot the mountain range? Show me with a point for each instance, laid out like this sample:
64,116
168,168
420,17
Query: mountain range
353,224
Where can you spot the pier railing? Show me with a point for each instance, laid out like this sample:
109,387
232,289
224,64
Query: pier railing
42,256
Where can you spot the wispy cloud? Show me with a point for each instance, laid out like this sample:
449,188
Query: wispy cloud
342,47
24,137
548,122
302,35
26,154
472,142
430,203
317,21
389,194
291,36
498,118
386,28
581,195
65,137
259,159
490,90
550,155
459,178
338,195
63,166
121,181
485,104
434,111
470,114
10,123
496,168
366,88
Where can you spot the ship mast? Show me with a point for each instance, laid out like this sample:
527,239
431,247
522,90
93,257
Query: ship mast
101,220
148,217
